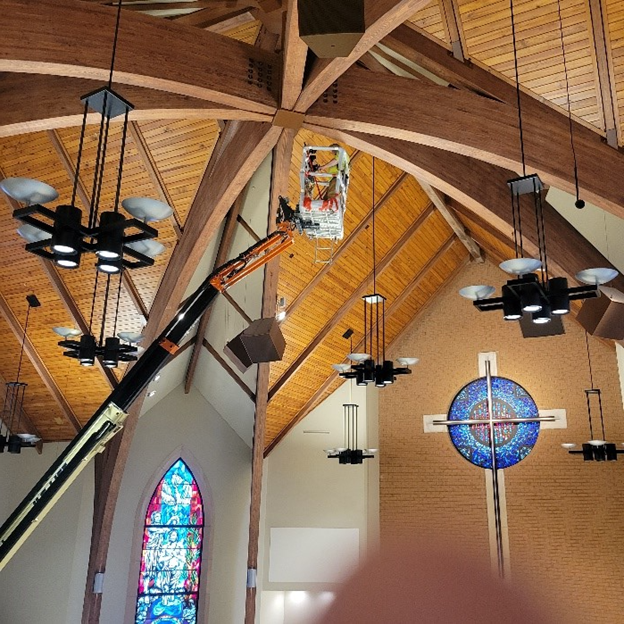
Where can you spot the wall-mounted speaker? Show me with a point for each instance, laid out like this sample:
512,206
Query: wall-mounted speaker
262,341
604,315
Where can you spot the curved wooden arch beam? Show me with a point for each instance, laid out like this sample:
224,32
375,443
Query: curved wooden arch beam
35,102
151,53
465,123
482,188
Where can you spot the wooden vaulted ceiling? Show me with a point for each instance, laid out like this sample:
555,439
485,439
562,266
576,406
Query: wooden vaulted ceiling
199,121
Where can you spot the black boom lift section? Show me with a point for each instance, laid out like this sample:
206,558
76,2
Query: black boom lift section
110,416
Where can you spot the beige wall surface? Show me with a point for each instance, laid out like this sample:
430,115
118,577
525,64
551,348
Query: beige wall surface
565,515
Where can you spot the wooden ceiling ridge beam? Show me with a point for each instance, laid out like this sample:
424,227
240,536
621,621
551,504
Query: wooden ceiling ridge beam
381,18
607,89
439,202
70,169
345,308
239,151
346,244
39,365
461,122
392,308
223,252
154,173
36,102
482,188
294,58
198,63
228,369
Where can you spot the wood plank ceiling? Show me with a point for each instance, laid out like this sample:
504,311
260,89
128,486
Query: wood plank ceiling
416,247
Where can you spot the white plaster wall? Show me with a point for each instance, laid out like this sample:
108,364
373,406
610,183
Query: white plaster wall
44,581
186,426
305,489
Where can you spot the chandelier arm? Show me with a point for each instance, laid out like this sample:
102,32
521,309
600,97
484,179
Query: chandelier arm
110,77
97,273
117,306
518,99
102,168
21,355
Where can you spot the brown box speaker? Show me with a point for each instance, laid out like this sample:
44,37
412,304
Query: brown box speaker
331,28
604,316
262,341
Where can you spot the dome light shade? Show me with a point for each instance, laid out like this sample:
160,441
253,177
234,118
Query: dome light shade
596,276
28,191
474,293
147,209
520,266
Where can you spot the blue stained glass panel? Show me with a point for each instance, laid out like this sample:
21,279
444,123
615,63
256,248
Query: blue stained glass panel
512,441
171,555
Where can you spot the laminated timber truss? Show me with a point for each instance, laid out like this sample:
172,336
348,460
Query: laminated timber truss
220,84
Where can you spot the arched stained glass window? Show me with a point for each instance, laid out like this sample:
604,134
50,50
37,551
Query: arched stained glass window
172,547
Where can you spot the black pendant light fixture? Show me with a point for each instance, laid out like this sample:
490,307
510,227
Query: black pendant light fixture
371,366
532,291
61,235
11,438
349,453
596,448
112,349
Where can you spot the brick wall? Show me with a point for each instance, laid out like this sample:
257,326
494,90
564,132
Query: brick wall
566,516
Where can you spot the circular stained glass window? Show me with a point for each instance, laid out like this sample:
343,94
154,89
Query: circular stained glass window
512,441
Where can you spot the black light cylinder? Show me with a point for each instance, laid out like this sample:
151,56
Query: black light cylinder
369,371
558,295
110,235
542,316
359,378
66,239
110,357
512,310
109,265
530,298
379,376
388,372
14,444
86,352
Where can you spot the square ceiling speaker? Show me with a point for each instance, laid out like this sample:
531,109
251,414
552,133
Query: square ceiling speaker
604,316
331,28
262,341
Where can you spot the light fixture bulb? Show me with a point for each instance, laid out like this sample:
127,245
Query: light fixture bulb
69,262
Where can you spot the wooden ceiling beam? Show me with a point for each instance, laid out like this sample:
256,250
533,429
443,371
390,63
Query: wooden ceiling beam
240,149
212,15
482,188
294,58
70,170
223,253
345,308
346,244
152,169
381,18
439,201
280,169
197,63
607,89
451,20
227,368
39,365
462,122
392,308
33,102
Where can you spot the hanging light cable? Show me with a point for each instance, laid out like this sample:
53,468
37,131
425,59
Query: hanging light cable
579,203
